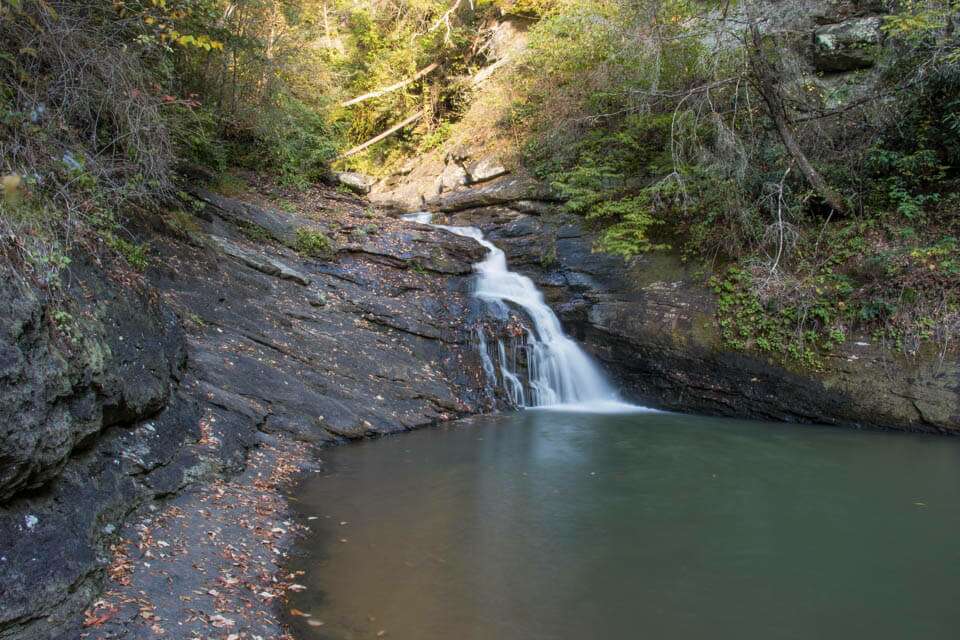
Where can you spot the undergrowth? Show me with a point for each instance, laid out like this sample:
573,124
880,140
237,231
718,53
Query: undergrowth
312,243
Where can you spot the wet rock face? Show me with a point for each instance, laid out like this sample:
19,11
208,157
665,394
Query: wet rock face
66,376
847,46
341,349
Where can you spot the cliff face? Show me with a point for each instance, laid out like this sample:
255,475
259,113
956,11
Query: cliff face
136,388
93,417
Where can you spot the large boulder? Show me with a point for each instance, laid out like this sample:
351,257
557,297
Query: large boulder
487,168
356,182
503,191
453,176
847,46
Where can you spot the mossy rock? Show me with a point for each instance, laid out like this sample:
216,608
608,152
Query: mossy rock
847,46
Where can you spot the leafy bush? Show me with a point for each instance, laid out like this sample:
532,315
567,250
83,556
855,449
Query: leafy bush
297,142
196,132
134,254
629,235
312,243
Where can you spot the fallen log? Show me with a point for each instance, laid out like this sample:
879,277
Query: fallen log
372,141
391,88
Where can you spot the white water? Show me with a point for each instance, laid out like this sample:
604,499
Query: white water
560,373
485,360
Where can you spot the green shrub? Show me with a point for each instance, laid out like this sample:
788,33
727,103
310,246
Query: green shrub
182,223
297,142
230,184
315,244
134,254
253,232
196,132
629,235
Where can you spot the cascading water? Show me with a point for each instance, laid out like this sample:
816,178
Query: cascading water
511,383
559,372
485,360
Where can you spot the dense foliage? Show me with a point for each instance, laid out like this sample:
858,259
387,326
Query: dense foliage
103,102
824,206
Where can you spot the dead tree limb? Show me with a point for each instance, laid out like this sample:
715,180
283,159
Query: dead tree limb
386,134
445,19
484,74
391,88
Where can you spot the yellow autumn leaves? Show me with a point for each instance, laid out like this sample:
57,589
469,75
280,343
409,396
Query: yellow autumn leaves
200,41
168,34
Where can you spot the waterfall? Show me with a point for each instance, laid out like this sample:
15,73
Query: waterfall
485,360
559,372
511,383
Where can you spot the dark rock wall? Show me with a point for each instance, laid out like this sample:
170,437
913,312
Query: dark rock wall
91,412
147,389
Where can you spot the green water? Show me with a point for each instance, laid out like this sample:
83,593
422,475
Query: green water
544,525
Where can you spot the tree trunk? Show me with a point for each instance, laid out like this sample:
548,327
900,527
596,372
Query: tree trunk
770,92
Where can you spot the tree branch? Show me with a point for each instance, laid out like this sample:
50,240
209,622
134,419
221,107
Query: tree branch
770,92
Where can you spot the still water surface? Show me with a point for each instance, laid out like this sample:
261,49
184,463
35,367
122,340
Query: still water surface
551,525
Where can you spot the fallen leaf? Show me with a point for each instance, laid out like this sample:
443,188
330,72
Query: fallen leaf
220,622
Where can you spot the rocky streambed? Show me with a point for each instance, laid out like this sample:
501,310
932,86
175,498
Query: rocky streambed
149,420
